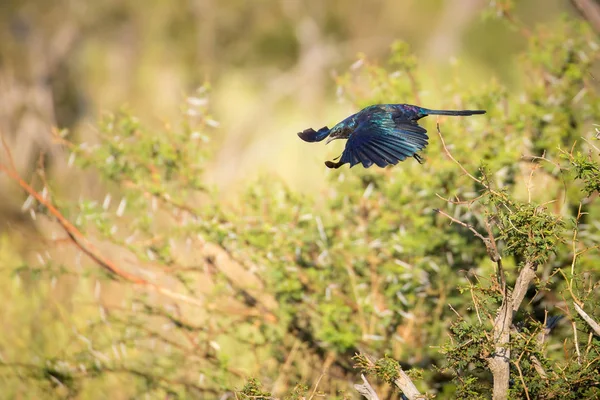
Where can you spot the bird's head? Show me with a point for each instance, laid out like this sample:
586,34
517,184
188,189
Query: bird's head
340,131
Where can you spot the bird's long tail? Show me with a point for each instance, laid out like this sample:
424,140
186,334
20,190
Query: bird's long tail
310,135
427,111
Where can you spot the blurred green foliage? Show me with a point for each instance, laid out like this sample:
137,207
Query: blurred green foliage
294,286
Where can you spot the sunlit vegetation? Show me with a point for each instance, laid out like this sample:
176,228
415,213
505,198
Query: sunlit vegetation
126,273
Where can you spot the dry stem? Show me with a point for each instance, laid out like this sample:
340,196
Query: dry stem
81,241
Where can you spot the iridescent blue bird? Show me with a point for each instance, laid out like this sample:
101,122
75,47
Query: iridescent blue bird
380,134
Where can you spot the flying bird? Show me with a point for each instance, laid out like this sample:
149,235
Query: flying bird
380,134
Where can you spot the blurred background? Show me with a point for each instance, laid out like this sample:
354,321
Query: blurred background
271,65
272,68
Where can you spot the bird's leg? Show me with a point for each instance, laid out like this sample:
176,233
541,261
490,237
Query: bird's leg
331,164
418,158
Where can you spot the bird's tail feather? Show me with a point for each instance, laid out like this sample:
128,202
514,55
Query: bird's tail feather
310,135
427,111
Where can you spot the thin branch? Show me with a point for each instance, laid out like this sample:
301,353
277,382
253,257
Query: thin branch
8,153
588,347
593,324
576,342
286,365
458,201
522,380
575,299
454,159
82,242
490,242
314,392
475,303
468,226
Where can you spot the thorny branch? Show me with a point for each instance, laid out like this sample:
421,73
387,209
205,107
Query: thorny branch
81,241
499,360
454,159
490,241
468,226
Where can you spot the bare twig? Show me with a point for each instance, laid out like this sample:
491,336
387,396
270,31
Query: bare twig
575,299
8,154
522,380
82,242
454,159
480,181
459,201
468,226
576,342
366,390
328,361
288,362
588,347
314,392
593,324
475,303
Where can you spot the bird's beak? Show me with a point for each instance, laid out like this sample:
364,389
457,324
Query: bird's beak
330,138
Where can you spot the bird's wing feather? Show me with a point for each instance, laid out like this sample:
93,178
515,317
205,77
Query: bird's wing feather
379,139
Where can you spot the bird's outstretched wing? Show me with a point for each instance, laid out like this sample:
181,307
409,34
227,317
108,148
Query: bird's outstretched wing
381,140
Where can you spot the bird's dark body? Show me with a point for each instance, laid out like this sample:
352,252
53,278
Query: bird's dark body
380,134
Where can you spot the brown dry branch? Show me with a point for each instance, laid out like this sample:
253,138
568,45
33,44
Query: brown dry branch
260,303
490,241
468,226
82,242
454,159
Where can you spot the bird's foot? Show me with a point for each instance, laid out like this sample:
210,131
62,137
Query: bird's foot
419,159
